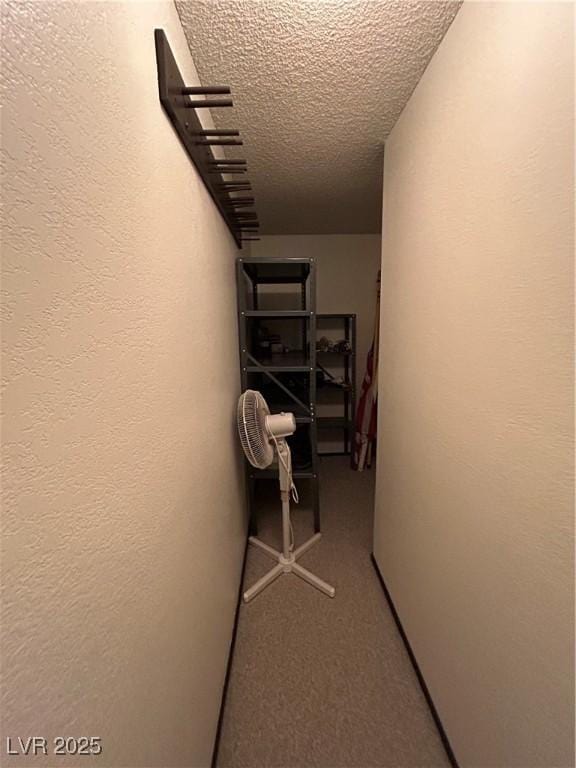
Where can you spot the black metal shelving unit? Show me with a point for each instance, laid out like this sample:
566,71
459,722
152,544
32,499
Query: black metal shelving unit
284,372
345,361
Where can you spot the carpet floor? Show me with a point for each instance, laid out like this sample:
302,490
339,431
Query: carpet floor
318,682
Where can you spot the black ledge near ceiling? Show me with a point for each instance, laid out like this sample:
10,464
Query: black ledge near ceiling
232,197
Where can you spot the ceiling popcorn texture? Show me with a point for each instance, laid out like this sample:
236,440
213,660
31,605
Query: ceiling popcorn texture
317,88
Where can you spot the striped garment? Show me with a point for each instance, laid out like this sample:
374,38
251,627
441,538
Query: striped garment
366,414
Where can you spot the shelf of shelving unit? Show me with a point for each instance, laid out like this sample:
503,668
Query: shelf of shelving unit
332,422
294,362
344,422
289,376
320,353
268,313
272,473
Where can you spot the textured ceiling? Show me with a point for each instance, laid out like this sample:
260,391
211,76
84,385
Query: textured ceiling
317,87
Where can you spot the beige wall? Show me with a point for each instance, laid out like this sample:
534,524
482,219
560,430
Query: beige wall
123,518
474,512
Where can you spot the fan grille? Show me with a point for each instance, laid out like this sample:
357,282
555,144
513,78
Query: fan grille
251,416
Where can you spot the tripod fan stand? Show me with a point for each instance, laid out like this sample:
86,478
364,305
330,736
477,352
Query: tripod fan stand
263,436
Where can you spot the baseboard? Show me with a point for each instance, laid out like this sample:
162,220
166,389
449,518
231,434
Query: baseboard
419,675
229,662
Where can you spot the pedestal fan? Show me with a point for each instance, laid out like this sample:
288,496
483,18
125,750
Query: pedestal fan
263,436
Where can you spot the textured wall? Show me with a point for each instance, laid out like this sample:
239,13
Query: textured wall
318,86
123,523
474,514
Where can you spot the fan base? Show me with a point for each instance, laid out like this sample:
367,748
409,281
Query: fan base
286,565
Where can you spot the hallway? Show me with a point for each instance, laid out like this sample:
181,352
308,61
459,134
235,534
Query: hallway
324,683
234,230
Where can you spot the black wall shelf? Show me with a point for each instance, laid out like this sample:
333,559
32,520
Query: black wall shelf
232,197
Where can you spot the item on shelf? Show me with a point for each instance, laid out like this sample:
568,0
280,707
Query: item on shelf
343,346
324,377
265,339
324,344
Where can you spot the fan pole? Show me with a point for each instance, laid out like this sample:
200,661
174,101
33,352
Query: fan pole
286,528
286,560
285,477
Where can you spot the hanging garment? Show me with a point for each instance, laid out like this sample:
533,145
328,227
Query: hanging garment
366,414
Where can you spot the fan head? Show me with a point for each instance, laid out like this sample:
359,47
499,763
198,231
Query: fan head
251,416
